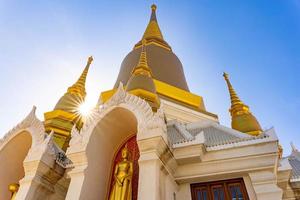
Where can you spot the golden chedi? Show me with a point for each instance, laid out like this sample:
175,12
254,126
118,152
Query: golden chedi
167,70
141,81
241,117
161,58
66,112
122,189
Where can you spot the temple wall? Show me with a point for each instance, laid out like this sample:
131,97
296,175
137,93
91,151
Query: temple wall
184,114
184,191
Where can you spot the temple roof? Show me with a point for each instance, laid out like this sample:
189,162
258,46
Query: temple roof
164,64
213,134
294,160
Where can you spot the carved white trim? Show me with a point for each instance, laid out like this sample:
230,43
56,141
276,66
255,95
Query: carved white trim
48,148
32,125
146,118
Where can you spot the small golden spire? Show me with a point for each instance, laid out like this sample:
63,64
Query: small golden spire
141,82
79,86
233,96
153,30
241,117
142,66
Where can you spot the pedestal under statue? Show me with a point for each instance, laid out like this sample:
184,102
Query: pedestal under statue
122,189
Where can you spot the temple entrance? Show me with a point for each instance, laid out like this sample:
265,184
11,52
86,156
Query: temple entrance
220,190
107,137
132,147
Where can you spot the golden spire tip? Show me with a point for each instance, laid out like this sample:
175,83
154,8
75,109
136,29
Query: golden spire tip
90,60
153,7
225,75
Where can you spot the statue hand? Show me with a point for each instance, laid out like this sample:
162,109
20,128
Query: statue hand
118,181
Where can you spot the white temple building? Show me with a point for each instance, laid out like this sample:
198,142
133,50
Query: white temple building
149,138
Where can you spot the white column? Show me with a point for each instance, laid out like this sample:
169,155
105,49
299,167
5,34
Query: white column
149,176
265,185
40,178
76,175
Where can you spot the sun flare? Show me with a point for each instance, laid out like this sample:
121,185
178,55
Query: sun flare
85,108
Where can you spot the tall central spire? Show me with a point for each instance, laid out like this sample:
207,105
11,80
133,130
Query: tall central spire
241,117
153,29
153,34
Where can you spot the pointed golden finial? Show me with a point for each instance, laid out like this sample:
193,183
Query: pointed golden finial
241,117
153,7
79,86
153,30
233,96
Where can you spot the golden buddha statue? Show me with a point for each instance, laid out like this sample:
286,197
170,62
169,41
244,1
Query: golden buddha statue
122,178
13,188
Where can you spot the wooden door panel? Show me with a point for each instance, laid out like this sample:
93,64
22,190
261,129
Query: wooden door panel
233,189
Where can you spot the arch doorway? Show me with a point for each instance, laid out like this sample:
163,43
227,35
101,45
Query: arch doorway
12,156
106,138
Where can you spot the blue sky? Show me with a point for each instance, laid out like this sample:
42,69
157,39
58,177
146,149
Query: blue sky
44,46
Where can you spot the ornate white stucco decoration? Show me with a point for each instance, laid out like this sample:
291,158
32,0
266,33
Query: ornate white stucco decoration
49,150
76,137
30,124
146,118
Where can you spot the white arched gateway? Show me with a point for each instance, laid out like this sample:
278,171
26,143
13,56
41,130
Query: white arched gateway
14,148
93,149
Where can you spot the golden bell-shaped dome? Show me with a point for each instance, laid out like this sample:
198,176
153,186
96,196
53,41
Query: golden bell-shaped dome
241,117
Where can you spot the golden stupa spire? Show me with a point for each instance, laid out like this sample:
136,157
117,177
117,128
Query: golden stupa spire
141,81
65,113
79,86
233,96
142,66
153,30
241,117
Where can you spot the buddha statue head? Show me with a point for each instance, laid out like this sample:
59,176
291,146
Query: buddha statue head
125,153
